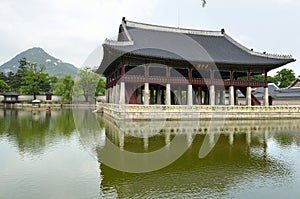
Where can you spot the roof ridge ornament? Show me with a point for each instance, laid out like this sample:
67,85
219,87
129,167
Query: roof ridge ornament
124,22
222,31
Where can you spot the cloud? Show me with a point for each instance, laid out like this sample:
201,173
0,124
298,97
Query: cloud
68,29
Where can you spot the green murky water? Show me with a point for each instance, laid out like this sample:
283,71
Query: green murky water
58,154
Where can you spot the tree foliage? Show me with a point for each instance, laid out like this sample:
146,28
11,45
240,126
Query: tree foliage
4,87
284,78
35,81
100,90
64,88
87,84
31,79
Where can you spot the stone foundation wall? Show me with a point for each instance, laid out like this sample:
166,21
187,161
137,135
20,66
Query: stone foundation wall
184,112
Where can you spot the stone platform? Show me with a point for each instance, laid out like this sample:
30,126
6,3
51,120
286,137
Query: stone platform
196,112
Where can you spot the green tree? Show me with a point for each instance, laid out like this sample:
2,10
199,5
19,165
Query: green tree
100,90
35,81
64,88
284,78
203,3
3,76
17,80
10,80
87,84
53,80
3,86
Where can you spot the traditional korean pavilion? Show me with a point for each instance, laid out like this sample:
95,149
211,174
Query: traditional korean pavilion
151,64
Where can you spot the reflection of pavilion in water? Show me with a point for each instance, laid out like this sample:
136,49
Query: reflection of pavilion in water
118,131
240,153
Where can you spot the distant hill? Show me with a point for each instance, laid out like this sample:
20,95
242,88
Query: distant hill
54,66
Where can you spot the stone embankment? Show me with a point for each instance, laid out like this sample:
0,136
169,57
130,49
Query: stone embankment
184,112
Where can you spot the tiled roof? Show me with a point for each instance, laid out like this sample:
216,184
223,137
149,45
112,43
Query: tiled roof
160,42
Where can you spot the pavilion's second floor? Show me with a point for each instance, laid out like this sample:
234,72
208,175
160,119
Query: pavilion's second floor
200,76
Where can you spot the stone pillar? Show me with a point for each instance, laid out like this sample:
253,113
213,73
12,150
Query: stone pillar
122,93
248,96
117,94
212,95
231,95
158,96
217,100
168,94
179,96
110,95
190,95
266,96
113,95
146,94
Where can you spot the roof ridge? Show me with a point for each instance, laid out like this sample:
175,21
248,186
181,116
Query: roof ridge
171,29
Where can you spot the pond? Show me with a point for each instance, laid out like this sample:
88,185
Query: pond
66,154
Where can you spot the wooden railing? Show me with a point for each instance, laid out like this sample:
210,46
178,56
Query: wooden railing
184,81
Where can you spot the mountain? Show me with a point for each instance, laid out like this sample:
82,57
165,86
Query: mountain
54,66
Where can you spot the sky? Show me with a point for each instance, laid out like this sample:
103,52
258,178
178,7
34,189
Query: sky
72,29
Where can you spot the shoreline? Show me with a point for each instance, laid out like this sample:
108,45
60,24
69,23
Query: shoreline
44,106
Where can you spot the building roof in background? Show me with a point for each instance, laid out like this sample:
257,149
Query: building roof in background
278,93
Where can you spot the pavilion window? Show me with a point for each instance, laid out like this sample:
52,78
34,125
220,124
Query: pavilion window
157,71
135,70
177,72
217,75
196,74
225,75
205,74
